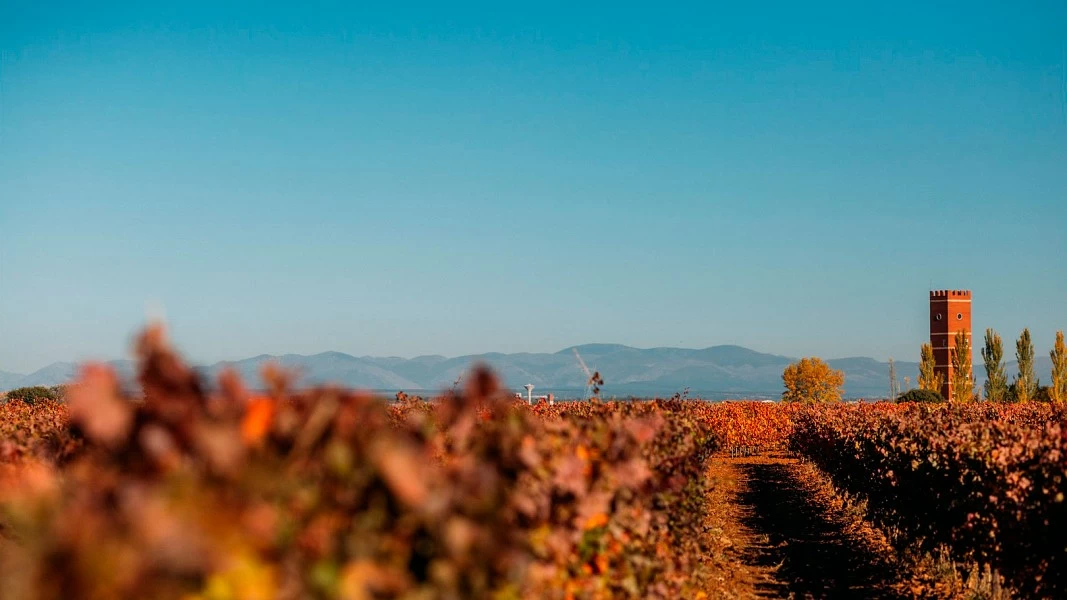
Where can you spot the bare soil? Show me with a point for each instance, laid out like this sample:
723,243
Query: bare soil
787,539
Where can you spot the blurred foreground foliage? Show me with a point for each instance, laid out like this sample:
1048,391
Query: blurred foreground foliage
331,493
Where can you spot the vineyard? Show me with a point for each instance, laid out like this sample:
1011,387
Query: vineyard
205,490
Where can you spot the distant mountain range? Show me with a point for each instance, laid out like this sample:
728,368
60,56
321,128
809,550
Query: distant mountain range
715,372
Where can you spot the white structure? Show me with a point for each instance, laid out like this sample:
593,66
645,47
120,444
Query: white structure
529,392
550,398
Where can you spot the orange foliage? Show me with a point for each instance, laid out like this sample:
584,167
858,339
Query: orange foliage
325,493
256,422
812,380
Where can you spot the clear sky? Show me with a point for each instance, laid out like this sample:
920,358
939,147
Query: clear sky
416,178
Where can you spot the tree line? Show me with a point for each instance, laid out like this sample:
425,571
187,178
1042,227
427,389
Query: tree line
1025,387
812,380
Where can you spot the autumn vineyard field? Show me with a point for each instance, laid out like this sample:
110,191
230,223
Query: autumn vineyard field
184,493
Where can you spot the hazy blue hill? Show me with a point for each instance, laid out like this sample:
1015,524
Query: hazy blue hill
730,355
1042,368
336,367
868,377
427,358
714,378
417,370
326,367
726,370
59,373
249,369
9,380
539,369
53,374
595,349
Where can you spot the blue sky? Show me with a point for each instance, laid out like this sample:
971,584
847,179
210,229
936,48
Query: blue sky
413,178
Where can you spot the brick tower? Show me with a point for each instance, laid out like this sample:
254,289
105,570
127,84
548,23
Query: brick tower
950,312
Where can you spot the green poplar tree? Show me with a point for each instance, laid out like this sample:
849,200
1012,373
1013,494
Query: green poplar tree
929,378
894,387
1058,390
996,383
962,384
1025,381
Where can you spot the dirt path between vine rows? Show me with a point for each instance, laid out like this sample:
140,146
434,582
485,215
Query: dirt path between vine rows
788,540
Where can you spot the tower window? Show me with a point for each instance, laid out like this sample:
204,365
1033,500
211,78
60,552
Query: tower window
959,316
937,316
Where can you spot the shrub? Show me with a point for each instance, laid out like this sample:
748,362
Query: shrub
37,393
925,396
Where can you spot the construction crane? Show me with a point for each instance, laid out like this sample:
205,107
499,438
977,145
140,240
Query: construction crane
592,378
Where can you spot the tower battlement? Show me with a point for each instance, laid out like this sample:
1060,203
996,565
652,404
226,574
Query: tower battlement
950,294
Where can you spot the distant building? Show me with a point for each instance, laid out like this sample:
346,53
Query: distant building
950,312
550,398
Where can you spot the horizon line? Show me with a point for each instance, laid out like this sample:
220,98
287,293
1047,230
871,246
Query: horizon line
195,363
